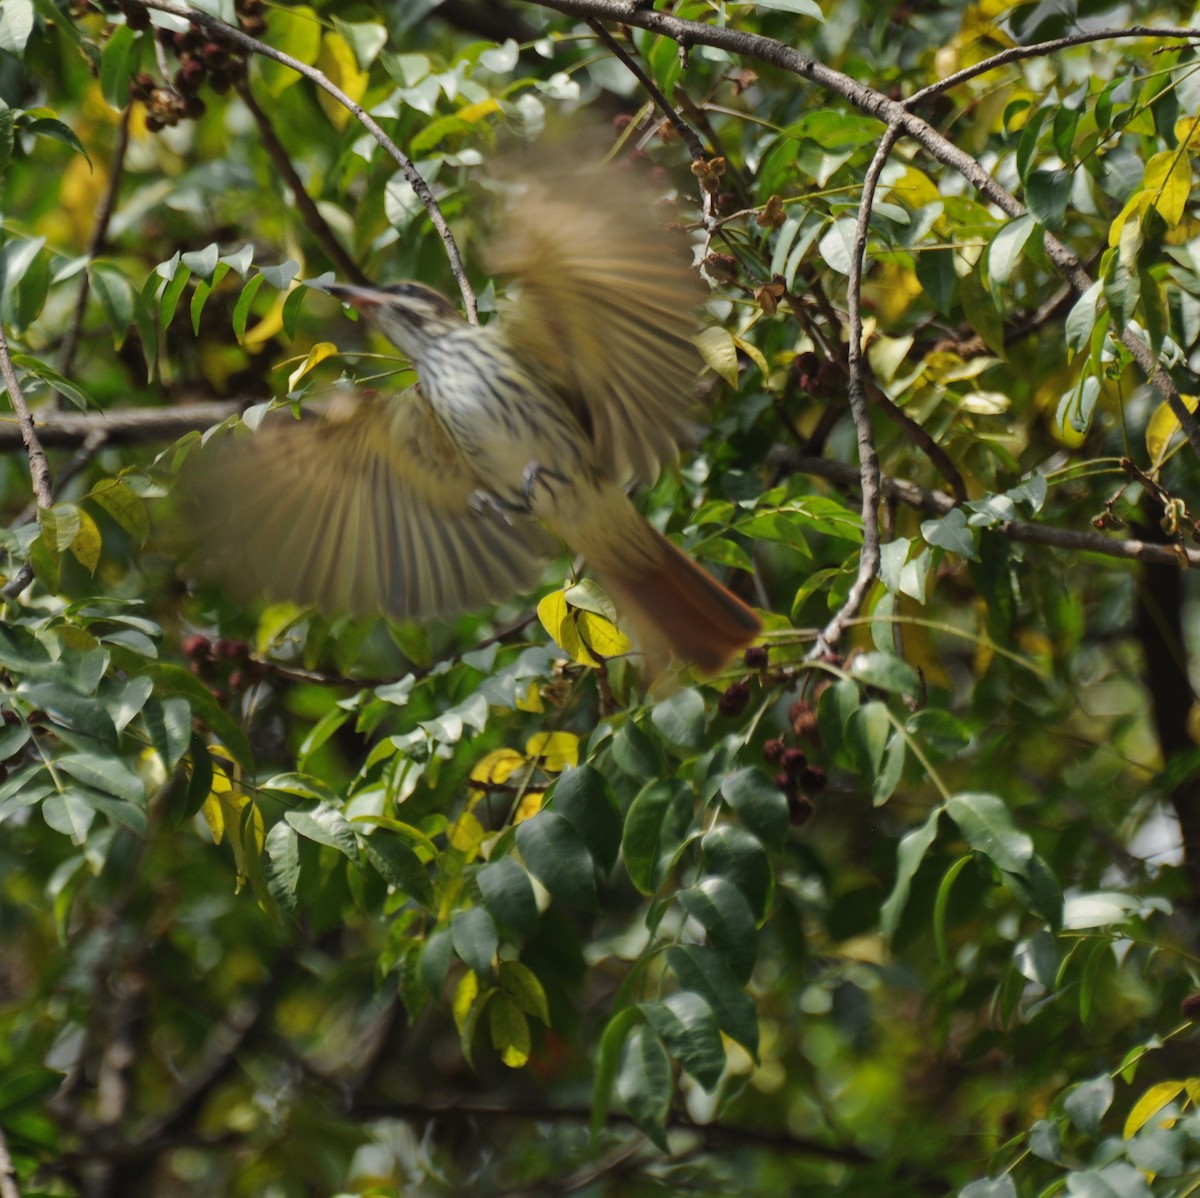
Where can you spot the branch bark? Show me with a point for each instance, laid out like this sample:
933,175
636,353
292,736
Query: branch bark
235,36
894,114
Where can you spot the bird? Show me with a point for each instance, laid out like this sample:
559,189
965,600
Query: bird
521,436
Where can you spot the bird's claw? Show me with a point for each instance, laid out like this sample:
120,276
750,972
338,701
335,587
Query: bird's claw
536,473
484,503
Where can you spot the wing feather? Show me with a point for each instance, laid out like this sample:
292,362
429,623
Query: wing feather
604,308
367,509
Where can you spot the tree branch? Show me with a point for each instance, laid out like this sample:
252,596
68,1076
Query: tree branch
317,224
104,213
690,137
860,411
220,29
938,503
1043,50
894,114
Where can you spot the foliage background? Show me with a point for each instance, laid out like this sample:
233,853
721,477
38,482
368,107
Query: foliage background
291,907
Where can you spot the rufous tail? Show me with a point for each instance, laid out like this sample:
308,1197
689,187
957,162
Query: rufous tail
673,607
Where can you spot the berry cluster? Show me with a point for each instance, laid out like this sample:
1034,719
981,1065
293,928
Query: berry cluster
798,778
224,666
205,59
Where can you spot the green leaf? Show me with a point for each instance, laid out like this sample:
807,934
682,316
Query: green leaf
704,971
909,855
509,896
581,796
475,940
118,64
657,820
241,310
326,825
170,296
608,1061
508,1028
399,866
1004,250
986,825
755,799
635,753
29,1087
555,854
735,854
687,1026
725,914
644,1082
885,672
126,508
522,985
108,774
64,706
55,130
283,865
680,720
1046,194
950,532
172,680
1087,1103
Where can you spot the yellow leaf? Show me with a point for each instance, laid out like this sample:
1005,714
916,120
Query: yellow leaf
268,326
296,30
915,189
754,354
478,112
529,806
1150,1104
464,997
532,700
214,816
87,543
465,834
338,63
1168,179
559,622
602,635
318,353
510,1031
719,353
556,750
1187,132
522,985
497,766
1162,426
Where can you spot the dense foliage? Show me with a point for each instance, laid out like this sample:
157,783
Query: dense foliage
292,906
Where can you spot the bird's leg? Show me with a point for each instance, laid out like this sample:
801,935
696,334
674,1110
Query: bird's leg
485,503
536,473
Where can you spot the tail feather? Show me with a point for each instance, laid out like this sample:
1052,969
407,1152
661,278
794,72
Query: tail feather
673,607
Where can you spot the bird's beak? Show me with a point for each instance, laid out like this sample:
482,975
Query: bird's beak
362,298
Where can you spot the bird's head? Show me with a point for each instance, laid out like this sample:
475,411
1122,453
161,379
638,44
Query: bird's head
409,315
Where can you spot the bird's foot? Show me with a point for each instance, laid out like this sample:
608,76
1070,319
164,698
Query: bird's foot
536,473
484,503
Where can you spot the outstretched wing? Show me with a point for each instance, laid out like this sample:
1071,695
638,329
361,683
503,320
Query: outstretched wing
366,509
604,307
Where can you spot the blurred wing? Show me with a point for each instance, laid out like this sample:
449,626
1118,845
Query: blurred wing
365,510
605,308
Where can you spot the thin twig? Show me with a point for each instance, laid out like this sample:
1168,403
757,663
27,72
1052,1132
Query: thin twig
104,214
1041,50
939,503
39,469
868,457
92,444
894,114
317,224
230,34
690,137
